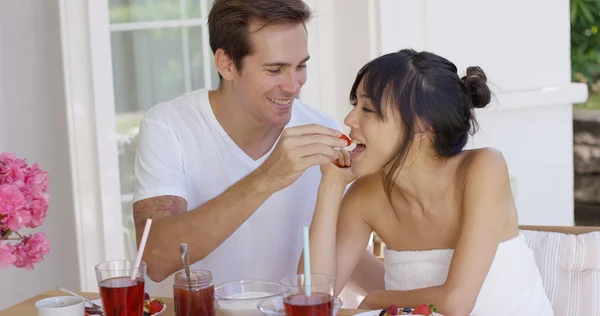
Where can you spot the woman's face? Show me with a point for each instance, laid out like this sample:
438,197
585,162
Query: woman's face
377,140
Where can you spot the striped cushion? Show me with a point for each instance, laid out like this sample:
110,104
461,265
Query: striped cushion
570,269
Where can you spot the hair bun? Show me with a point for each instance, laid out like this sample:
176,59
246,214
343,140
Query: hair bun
476,82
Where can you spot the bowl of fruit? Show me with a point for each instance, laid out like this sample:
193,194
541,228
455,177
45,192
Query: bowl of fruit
393,310
153,306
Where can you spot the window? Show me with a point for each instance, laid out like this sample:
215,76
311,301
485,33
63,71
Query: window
159,51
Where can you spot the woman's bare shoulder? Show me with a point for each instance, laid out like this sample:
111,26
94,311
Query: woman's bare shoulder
484,162
365,191
366,186
487,192
487,181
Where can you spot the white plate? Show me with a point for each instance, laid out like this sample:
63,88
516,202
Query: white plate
376,313
99,302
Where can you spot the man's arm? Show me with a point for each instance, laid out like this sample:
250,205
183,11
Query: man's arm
207,226
203,228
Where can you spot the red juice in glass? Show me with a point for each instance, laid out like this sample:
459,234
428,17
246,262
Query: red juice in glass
195,297
122,297
317,304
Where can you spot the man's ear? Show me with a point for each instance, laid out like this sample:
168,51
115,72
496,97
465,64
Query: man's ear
225,66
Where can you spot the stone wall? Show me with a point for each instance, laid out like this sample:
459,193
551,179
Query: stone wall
586,151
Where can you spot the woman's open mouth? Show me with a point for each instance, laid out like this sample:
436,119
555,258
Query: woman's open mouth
358,149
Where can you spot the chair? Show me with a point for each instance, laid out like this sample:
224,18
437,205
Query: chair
569,262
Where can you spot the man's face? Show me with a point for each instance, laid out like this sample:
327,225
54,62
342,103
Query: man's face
271,77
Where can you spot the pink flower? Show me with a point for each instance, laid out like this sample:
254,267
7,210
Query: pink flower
37,180
26,193
11,168
21,185
16,220
6,160
31,250
6,255
38,209
23,203
11,199
7,157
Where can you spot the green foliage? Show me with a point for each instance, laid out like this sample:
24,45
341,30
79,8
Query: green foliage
585,47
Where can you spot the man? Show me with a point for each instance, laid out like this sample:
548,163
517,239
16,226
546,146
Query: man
234,172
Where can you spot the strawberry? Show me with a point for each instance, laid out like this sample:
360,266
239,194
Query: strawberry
422,310
156,306
392,310
347,139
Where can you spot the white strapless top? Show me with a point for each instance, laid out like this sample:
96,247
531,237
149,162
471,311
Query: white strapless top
512,287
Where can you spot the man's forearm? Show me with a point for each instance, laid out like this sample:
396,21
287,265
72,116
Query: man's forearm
203,228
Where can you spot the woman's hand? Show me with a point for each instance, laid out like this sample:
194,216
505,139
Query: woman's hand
339,169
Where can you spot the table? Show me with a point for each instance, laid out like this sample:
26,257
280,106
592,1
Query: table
27,307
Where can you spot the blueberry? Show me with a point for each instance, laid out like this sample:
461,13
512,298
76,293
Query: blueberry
382,312
407,310
146,314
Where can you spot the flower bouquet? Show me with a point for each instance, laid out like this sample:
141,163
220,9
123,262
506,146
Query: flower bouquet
23,204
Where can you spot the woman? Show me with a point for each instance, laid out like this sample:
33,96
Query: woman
446,215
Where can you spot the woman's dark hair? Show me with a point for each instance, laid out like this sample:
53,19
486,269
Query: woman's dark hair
424,86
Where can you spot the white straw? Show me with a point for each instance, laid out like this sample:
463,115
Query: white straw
306,262
138,259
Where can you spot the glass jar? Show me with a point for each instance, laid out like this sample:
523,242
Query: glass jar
195,298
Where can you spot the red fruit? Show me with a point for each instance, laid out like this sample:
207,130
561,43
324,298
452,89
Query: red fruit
422,309
155,306
347,139
146,296
392,310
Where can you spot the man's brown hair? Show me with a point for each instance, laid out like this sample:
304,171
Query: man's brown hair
228,22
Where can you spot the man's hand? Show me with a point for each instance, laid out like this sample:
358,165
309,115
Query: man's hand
298,149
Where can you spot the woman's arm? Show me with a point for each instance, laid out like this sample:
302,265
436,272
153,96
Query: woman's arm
487,201
338,234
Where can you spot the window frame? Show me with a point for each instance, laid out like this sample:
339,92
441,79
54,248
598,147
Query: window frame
89,90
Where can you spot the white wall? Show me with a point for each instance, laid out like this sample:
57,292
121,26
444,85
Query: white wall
33,124
342,37
523,46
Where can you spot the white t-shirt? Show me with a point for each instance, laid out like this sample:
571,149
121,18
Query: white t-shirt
184,151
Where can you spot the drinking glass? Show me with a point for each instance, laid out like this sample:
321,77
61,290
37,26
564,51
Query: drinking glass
120,295
319,301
